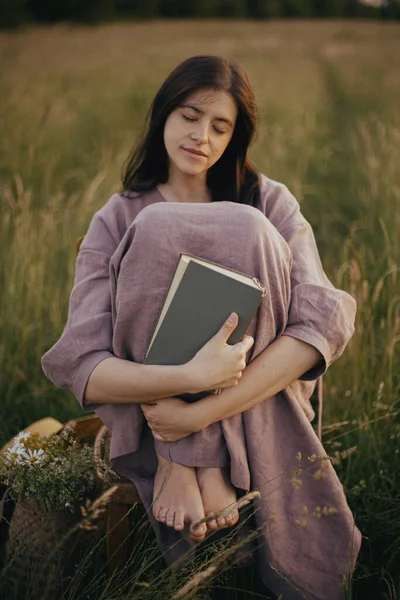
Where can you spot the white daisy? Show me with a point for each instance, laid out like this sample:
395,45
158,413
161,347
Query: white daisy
15,450
22,436
32,456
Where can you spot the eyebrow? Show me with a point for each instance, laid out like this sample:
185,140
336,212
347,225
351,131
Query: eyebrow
199,111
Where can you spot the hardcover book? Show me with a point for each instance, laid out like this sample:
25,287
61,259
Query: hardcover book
201,296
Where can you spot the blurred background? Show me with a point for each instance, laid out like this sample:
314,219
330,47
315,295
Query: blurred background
15,12
76,80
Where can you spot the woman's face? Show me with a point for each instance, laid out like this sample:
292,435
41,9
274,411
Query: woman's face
197,132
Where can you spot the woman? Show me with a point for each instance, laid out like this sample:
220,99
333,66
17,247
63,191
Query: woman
189,186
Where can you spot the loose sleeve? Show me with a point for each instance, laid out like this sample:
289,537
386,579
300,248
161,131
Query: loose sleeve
319,313
87,336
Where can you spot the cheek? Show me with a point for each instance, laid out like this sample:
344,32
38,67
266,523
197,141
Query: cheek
170,132
220,147
174,129
168,135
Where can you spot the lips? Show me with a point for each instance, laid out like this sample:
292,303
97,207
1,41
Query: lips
195,152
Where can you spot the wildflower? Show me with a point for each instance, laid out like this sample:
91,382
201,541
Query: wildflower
54,471
326,511
336,444
320,474
15,450
32,456
302,522
329,510
22,436
296,483
317,513
13,454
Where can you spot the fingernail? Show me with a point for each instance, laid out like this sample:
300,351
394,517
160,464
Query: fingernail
231,318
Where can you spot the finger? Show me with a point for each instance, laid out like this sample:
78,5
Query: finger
246,343
227,328
147,404
229,382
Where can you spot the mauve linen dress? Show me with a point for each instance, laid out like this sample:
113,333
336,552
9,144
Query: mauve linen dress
309,541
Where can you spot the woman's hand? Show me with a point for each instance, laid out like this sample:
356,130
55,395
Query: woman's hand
218,364
171,419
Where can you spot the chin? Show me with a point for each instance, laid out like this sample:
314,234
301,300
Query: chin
186,169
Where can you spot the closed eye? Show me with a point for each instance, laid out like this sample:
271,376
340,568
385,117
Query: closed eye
218,130
215,128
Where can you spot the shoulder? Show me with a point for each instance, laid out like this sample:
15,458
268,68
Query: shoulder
279,204
114,218
275,195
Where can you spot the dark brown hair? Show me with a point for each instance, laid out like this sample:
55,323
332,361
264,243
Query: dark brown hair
232,177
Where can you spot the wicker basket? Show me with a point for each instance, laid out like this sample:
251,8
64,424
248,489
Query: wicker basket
42,553
127,492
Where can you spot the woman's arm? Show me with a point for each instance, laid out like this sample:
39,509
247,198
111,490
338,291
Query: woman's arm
279,365
118,381
216,365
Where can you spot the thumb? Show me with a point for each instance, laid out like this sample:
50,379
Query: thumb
227,328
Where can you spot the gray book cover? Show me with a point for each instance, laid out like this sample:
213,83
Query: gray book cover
202,302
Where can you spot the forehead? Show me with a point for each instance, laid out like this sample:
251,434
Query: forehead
216,101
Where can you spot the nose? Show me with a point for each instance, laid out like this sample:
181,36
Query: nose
200,133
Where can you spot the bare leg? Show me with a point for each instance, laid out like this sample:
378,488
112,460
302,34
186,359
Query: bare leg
176,499
217,493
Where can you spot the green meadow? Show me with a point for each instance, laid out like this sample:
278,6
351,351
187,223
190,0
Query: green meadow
73,100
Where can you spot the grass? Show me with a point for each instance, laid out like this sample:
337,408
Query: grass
73,100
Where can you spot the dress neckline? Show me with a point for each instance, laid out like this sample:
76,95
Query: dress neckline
163,198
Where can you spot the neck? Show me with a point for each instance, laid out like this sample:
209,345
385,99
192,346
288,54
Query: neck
180,188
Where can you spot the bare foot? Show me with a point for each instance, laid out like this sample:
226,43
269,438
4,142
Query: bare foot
217,493
176,498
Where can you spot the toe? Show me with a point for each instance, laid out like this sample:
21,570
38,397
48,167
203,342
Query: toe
179,521
158,511
199,533
169,518
235,516
232,518
221,522
162,513
213,523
